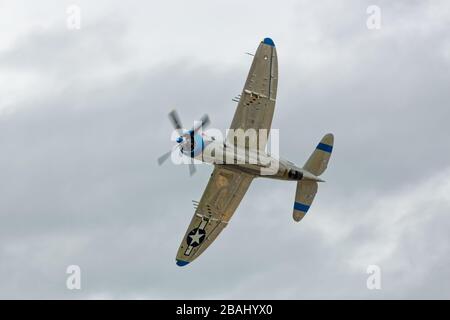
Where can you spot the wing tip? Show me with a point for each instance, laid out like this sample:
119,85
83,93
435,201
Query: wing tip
182,263
269,42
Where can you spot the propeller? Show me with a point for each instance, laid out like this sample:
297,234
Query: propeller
203,123
166,155
184,137
192,169
176,122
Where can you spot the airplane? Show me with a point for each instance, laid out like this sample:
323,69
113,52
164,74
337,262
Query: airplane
230,181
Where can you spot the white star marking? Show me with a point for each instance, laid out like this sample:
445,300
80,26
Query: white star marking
195,237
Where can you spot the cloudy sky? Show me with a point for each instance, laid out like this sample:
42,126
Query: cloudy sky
83,118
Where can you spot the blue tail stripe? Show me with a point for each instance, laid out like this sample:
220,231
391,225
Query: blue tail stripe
325,147
301,207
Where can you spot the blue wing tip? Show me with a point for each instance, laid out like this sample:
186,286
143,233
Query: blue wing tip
269,42
182,263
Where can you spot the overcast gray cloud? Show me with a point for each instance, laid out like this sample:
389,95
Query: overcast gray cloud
83,117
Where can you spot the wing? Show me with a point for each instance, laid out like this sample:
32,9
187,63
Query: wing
222,196
257,103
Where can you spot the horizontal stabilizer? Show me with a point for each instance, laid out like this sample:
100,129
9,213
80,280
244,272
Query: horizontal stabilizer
304,196
318,161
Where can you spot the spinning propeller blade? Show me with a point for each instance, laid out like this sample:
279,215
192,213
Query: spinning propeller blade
191,169
203,123
164,157
176,122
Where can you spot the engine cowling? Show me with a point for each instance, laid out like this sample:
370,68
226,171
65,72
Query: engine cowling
199,145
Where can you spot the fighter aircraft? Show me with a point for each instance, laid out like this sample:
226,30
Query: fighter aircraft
230,180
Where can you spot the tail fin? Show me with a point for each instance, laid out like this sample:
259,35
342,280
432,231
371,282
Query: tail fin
318,161
316,164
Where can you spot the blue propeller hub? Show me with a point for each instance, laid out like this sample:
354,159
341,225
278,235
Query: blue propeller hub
179,139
